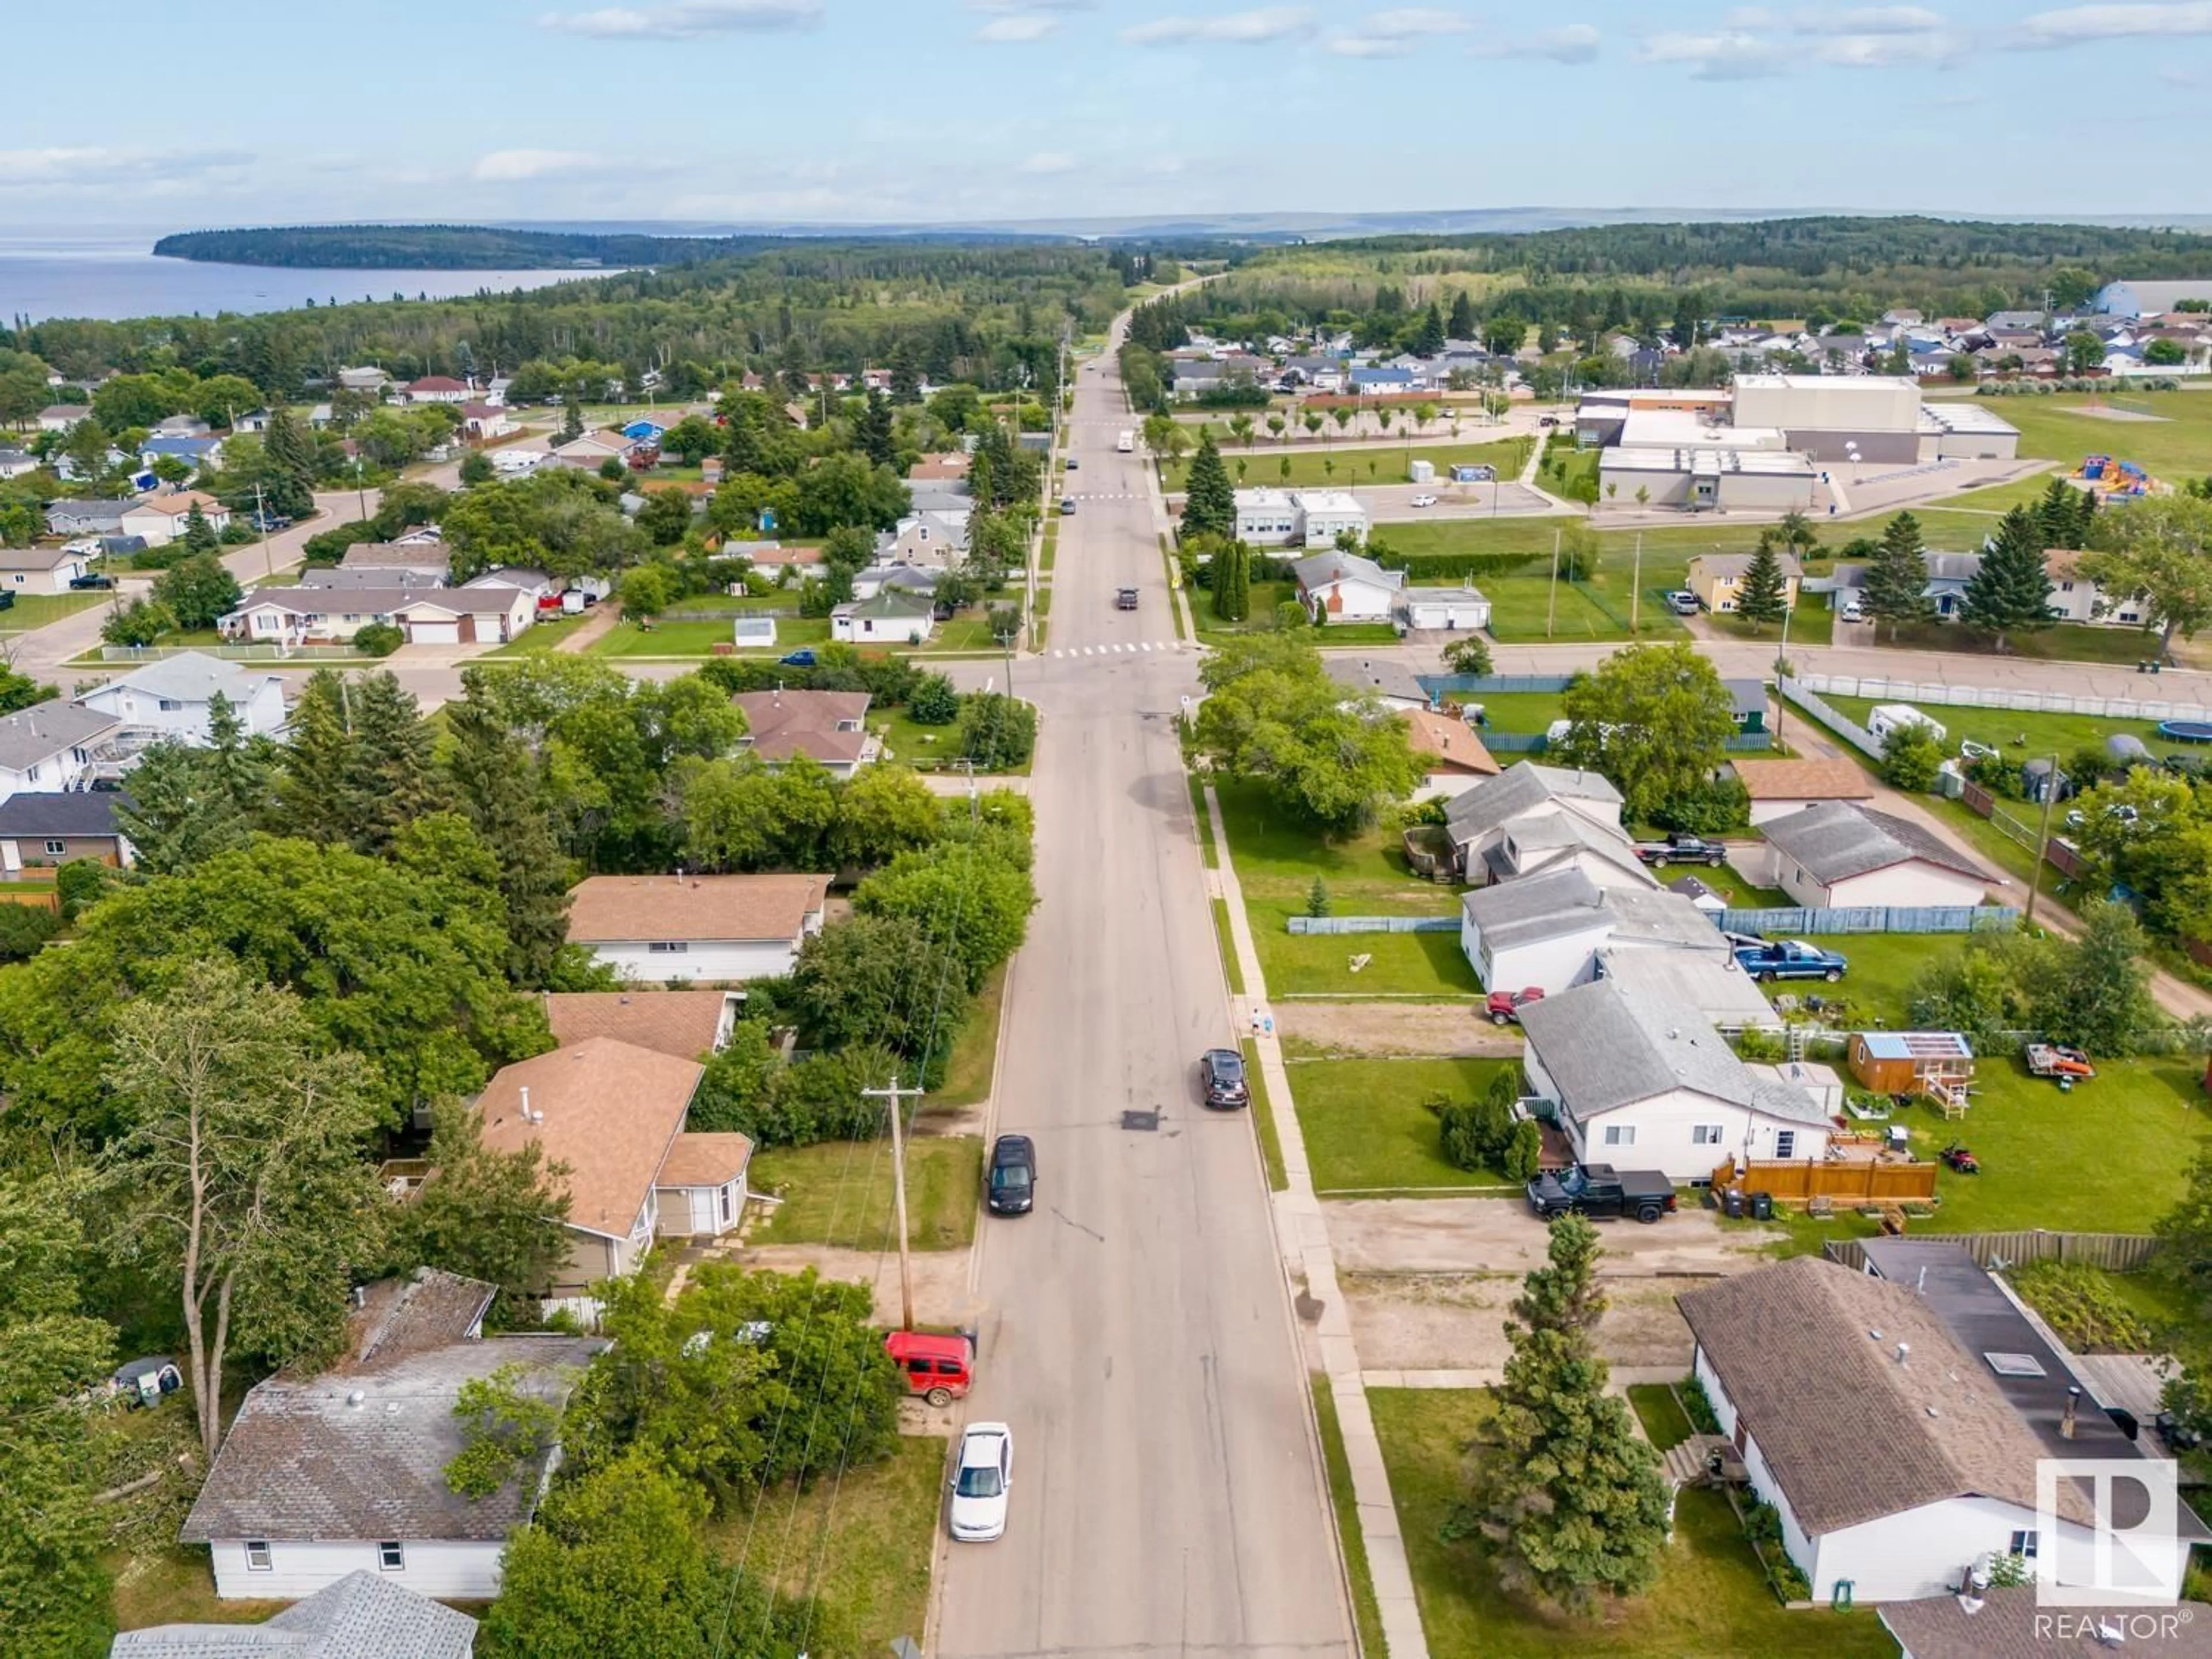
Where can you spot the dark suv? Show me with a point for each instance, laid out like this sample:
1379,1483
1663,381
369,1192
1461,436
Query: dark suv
1221,1075
1012,1179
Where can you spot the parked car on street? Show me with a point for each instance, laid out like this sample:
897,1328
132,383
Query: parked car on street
982,1475
1790,958
1013,1176
1222,1079
938,1369
1066,505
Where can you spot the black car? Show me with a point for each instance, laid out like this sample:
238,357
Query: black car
1011,1187
1221,1076
91,578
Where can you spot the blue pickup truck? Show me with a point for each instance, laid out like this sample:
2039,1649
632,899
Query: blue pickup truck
1789,958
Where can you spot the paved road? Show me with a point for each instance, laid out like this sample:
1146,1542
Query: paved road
1137,1333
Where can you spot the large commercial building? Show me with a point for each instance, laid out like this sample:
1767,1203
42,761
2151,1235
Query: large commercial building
1298,518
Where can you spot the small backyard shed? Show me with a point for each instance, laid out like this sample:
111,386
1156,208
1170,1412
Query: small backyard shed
1938,1063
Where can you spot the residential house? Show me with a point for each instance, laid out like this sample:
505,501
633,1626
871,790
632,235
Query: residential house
1346,588
254,420
15,463
87,518
338,576
1640,1079
890,618
1718,579
938,538
304,615
1939,1475
919,580
1393,682
1779,787
2075,597
160,519
60,417
1747,702
1450,753
614,1113
1532,817
1442,610
40,831
363,1614
1382,382
2014,1623
941,468
173,698
538,584
41,570
438,389
472,614
518,460
344,1471
718,929
592,451
484,422
200,453
1266,517
51,746
650,429
1326,514
1839,855
371,380
829,727
940,495
687,1025
772,558
411,563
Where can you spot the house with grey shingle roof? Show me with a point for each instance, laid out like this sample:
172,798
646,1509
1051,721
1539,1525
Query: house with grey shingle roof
1532,818
1641,1079
365,1615
1839,853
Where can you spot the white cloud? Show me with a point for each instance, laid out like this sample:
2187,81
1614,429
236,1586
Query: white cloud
1396,34
1569,43
1870,20
1886,51
60,167
1032,5
1018,25
693,20
507,165
1729,55
1242,29
1749,17
1047,161
2076,24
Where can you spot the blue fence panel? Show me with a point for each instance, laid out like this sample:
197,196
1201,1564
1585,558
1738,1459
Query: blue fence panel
1514,743
1871,919
1460,686
1373,924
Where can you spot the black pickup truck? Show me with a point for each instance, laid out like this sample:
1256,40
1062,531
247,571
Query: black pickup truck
1600,1190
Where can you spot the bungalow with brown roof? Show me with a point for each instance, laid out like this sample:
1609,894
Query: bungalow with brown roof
687,1025
939,468
1778,787
719,929
829,727
160,519
1450,755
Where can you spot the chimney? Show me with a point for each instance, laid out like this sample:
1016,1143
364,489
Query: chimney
2073,1401
1904,1349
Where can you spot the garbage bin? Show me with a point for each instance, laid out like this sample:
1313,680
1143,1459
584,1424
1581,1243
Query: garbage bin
1732,1203
1762,1206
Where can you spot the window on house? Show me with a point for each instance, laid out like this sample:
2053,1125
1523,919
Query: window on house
1620,1134
723,1197
170,705
257,1555
55,848
669,947
2066,588
391,1557
33,775
1785,1144
1704,1134
2023,1544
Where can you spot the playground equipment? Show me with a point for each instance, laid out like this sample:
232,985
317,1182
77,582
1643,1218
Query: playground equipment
2186,731
2111,478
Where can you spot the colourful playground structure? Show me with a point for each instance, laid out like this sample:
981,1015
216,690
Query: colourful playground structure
2124,479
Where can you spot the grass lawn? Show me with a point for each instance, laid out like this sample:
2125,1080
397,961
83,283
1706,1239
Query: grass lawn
1527,713
1364,1610
175,1587
1711,1597
2063,642
1277,858
1261,599
1319,466
839,1193
2047,734
864,1544
975,1054
1366,1126
699,639
1656,1409
1206,848
2177,446
1231,969
1811,624
1883,968
1723,880
32,610
1263,1120
540,638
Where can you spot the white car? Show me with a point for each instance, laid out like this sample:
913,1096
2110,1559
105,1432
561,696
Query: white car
981,1479
1424,501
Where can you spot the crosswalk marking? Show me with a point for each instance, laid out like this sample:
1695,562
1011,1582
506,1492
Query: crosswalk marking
1115,649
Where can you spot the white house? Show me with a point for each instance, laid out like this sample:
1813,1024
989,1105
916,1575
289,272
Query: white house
1543,932
889,617
1532,818
594,450
1325,514
715,929
49,746
1450,753
60,417
614,1113
160,519
1936,1472
2076,598
1442,610
1639,1079
1346,588
344,1471
41,570
1780,787
937,539
15,463
472,614
1266,517
514,460
170,698
486,421
438,389
1839,853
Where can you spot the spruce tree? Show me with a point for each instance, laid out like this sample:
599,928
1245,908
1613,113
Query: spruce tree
874,434
1896,577
1209,506
1462,325
2062,515
2011,593
500,786
1765,596
1429,339
199,534
1573,1499
572,414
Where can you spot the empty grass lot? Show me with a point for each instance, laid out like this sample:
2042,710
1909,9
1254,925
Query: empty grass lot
1711,1597
2063,735
1368,1127
1277,858
839,1193
1315,466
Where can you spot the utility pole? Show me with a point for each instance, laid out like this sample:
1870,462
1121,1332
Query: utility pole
1782,703
1552,600
1635,583
895,1094
261,517
2042,842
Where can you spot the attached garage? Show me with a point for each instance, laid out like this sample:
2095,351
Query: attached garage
432,630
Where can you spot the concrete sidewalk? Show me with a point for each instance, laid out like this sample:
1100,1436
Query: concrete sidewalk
1303,1235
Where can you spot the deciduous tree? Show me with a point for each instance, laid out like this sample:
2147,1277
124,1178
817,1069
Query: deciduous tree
1654,719
198,591
486,1214
1273,715
2158,550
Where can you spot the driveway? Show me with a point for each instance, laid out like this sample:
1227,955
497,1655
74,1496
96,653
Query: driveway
1498,1234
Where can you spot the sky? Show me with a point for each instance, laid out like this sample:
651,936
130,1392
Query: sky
878,111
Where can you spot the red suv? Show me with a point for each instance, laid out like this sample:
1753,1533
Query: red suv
941,1368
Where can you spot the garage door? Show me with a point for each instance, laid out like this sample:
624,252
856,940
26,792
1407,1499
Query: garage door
434,633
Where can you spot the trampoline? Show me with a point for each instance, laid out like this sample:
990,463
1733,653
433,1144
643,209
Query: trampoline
2186,731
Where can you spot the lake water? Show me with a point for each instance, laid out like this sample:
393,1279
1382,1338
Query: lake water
111,275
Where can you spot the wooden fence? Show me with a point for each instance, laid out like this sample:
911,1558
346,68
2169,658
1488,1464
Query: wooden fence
1861,1179
2114,1252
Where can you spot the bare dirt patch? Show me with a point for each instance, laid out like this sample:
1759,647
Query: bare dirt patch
940,1278
1442,1030
1445,1322
1498,1234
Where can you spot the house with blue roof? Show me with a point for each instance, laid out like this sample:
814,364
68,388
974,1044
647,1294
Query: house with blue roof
195,451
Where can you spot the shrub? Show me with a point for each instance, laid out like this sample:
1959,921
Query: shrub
934,702
1910,757
1698,1407
379,640
1524,1152
1713,808
1790,1580
2080,1303
80,883
25,929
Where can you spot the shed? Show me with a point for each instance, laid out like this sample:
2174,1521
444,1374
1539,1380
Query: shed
1908,1062
1421,472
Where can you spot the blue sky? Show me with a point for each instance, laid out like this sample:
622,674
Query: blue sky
885,110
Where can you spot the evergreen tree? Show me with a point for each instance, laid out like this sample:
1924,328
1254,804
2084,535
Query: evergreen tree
1765,596
358,768
1896,577
906,374
1462,325
1209,506
288,447
1573,1499
874,434
2062,515
199,534
500,787
1428,338
1231,592
572,414
2011,594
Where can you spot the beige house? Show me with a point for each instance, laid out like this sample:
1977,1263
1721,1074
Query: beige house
718,929
160,519
1718,579
1779,787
